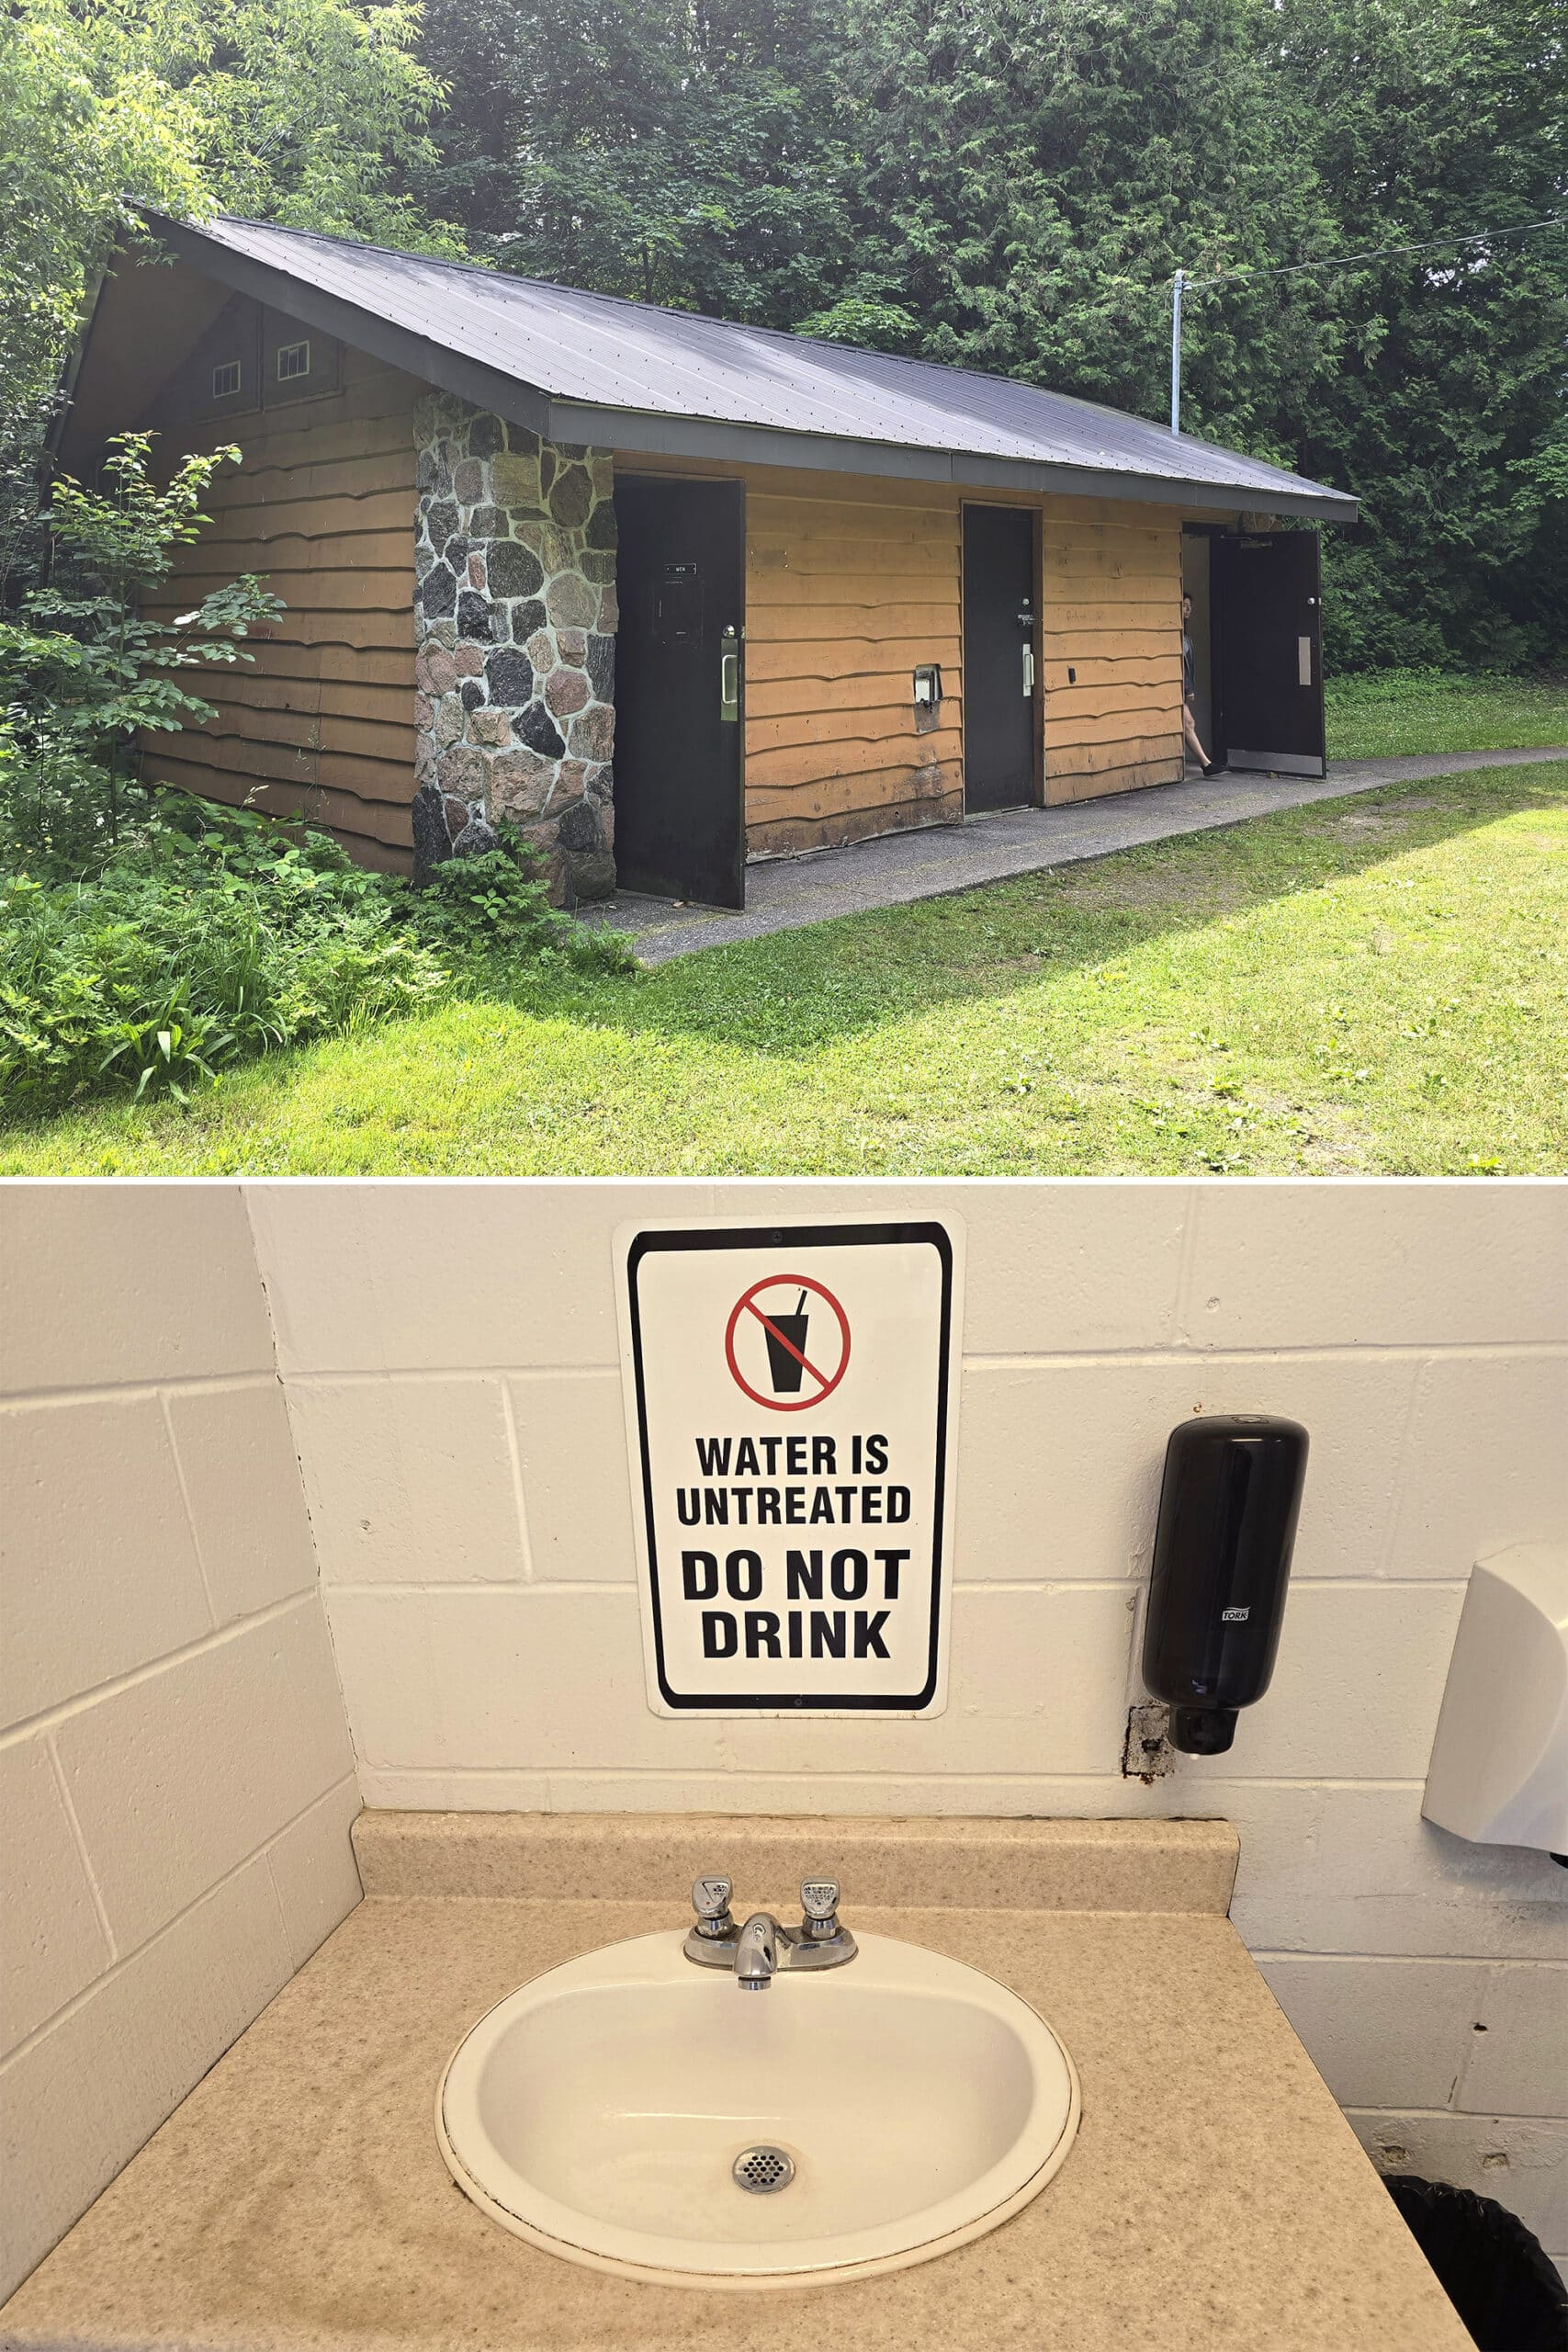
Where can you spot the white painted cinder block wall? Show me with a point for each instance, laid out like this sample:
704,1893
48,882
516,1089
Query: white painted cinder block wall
175,1776
450,1361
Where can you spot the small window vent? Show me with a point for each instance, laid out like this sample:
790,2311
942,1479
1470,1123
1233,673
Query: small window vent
293,359
226,380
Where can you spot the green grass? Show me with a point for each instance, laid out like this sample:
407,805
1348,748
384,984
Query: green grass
1393,713
1374,984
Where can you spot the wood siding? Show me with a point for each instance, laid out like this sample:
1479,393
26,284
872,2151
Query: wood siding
847,589
322,722
852,581
1110,612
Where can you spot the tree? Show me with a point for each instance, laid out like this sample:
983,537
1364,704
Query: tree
298,110
1444,405
1004,183
1033,175
673,151
66,156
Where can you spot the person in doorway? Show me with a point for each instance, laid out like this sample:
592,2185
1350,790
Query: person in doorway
1190,697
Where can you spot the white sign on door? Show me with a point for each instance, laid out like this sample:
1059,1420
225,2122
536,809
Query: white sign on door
791,1397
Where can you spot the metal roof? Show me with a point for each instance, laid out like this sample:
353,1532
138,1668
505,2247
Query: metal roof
627,375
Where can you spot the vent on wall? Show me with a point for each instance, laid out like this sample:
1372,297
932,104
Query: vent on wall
293,360
226,380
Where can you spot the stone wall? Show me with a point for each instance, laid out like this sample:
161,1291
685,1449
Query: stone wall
514,633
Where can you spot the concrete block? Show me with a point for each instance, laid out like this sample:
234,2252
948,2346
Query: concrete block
1051,1267
247,1505
1518,2048
1522,2165
84,2098
381,1646
1382,2030
1060,1464
105,1284
51,1941
97,1566
553,1681
182,1774
410,1481
314,1870
1361,1265
1343,1869
1487,1461
459,1277
1355,1694
577,1494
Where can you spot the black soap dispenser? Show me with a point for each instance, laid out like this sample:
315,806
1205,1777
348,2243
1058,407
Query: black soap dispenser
1227,1519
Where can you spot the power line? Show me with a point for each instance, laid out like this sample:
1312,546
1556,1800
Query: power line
1378,253
1181,284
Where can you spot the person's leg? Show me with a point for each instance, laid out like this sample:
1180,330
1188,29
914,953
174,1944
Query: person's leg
1189,736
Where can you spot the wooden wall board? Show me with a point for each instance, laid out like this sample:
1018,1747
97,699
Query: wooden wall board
1125,777
850,583
800,828
362,826
860,789
322,507
853,581
1111,614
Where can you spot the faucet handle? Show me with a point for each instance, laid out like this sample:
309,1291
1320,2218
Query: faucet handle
710,1901
820,1901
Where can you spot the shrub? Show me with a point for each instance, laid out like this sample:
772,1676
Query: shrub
495,907
82,671
54,816
154,950
209,936
189,950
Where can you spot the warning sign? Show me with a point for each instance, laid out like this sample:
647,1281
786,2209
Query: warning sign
791,1413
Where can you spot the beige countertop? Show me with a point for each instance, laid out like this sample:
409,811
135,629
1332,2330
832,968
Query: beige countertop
1214,2197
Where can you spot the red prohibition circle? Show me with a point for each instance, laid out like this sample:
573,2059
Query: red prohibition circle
744,1304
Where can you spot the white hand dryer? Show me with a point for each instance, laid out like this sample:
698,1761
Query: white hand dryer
1499,1768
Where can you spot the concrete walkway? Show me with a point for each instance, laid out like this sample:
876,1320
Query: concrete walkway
784,894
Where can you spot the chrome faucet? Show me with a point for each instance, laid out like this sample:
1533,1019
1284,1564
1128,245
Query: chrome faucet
757,1952
763,1949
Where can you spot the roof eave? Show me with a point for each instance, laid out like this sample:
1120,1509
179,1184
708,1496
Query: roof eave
450,371
632,431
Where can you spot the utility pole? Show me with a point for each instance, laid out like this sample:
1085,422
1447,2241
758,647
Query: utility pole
1177,284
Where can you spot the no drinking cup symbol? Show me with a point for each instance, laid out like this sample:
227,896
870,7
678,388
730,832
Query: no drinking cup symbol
785,1368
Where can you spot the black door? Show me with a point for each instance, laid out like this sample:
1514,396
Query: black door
998,657
1268,623
680,571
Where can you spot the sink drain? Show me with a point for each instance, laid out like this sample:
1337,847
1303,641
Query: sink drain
762,2170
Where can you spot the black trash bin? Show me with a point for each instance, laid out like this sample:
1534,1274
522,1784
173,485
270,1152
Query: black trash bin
1494,2272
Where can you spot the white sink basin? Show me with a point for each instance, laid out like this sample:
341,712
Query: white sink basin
601,2110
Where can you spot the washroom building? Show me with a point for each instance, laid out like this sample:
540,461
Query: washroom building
668,593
